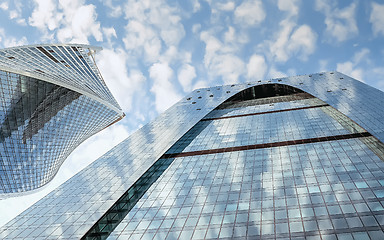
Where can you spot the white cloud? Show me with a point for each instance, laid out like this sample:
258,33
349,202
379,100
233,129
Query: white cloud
256,67
109,33
45,16
341,23
196,5
115,9
68,20
300,42
352,68
201,84
349,69
4,6
220,60
361,55
80,23
163,87
250,13
290,6
228,6
159,16
274,73
122,83
377,18
142,39
185,76
14,10
13,14
228,66
152,26
10,41
230,35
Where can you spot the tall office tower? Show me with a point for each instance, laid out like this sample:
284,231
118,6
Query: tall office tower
298,157
52,98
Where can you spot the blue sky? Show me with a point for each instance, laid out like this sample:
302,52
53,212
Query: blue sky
157,51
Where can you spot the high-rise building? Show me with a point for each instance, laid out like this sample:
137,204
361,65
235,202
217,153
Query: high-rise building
52,98
297,157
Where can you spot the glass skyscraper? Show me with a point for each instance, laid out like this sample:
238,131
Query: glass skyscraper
52,98
291,158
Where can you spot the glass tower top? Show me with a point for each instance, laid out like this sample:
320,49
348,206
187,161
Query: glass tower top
52,99
290,158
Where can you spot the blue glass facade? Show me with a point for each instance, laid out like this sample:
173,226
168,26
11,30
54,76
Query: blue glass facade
291,158
42,119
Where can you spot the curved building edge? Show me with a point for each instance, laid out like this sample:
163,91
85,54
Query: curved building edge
53,81
115,113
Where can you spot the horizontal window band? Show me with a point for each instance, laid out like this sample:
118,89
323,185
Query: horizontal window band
260,113
265,100
269,145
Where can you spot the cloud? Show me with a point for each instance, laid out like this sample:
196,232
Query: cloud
351,67
159,16
293,41
256,67
45,16
250,13
201,84
82,26
290,6
185,76
109,33
142,40
68,20
230,35
164,89
153,26
302,42
377,18
341,23
4,6
220,60
122,83
15,10
274,73
228,6
115,9
196,6
9,41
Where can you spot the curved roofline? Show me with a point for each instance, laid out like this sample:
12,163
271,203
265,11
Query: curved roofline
43,78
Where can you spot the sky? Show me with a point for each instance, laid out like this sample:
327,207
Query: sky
157,51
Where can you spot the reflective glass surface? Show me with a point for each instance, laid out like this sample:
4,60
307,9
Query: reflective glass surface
327,189
42,120
303,190
69,65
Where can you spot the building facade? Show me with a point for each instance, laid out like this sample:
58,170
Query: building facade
290,158
52,99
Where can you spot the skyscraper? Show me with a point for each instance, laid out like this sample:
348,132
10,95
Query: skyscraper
298,157
52,99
